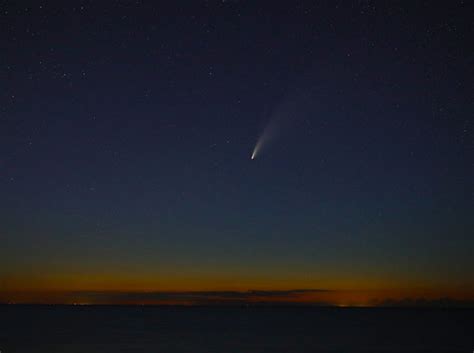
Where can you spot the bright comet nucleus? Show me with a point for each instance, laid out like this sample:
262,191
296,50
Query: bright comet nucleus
256,149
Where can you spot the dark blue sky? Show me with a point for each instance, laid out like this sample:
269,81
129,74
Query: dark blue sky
127,130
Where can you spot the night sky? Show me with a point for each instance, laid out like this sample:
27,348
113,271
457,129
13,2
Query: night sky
127,130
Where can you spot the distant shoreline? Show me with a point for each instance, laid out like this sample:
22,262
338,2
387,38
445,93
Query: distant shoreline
468,305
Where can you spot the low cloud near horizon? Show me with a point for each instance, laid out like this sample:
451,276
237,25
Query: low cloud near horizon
316,297
201,297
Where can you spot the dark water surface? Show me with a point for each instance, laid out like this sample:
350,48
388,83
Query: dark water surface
233,329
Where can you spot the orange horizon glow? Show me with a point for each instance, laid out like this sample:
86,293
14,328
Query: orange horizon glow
133,289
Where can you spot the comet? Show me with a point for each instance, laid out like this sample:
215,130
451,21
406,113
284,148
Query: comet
258,145
261,142
286,113
270,132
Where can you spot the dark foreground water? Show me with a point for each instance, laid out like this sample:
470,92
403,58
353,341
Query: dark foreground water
224,329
